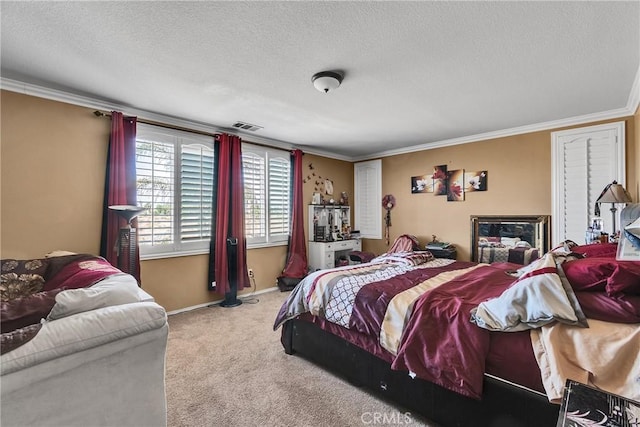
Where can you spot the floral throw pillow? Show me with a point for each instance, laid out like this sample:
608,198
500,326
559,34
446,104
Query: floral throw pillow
20,278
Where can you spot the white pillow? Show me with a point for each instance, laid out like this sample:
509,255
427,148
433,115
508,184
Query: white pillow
509,242
54,254
103,294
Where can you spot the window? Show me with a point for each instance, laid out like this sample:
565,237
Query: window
175,179
267,195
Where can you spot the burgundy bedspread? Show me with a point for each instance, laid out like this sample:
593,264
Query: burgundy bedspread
443,321
454,359
418,317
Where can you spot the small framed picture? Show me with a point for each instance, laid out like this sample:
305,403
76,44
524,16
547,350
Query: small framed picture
475,181
421,184
315,200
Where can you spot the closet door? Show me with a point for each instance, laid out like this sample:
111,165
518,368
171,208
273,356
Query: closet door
584,161
368,199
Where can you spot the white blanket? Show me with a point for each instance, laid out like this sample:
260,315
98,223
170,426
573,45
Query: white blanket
606,356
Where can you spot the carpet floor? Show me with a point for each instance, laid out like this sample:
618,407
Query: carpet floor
226,367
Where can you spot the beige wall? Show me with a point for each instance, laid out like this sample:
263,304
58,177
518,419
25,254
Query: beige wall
339,172
53,158
519,183
52,177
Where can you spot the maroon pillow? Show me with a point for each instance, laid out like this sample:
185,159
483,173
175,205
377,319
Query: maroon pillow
619,309
25,311
625,279
602,250
589,274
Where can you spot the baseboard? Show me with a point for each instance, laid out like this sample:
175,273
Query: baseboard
206,304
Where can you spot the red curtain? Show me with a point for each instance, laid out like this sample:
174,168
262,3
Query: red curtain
228,217
120,184
296,265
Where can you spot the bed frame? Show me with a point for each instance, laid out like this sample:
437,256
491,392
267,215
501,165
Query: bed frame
503,404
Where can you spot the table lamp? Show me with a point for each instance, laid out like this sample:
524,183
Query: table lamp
614,193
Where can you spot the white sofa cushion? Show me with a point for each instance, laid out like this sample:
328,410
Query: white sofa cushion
82,331
114,290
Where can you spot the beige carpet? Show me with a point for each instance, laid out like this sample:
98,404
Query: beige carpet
226,367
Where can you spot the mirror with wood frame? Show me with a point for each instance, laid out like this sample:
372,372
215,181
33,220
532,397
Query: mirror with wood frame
509,238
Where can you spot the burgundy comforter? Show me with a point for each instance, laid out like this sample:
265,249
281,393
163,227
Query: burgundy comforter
419,314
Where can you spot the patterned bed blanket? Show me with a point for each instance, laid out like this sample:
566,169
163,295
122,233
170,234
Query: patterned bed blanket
421,314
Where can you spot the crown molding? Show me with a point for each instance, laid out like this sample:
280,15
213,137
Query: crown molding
84,101
629,110
99,104
572,121
634,96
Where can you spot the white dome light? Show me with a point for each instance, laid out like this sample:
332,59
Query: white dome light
326,81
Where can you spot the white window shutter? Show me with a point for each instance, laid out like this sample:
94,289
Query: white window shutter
267,194
196,192
253,169
279,198
368,199
156,192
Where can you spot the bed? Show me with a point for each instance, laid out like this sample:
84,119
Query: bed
453,340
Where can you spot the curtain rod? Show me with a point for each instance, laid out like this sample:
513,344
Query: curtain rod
98,113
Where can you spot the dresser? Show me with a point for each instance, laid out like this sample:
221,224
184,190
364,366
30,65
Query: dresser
327,254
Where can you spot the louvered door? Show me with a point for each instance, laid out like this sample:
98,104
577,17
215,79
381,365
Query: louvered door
368,199
584,161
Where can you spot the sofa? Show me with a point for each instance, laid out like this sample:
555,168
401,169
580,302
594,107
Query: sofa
82,345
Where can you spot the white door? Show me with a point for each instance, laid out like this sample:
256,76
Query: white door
368,196
584,161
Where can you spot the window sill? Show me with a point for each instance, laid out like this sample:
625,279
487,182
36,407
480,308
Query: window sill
146,257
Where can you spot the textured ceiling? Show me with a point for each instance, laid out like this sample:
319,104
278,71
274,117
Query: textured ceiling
416,73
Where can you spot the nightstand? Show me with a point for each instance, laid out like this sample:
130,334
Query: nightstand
450,252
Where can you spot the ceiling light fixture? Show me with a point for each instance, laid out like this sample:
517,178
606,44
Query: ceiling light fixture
325,81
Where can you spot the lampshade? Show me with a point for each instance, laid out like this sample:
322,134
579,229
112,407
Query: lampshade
326,81
127,212
614,193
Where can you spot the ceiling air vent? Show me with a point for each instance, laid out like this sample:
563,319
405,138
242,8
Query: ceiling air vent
246,126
